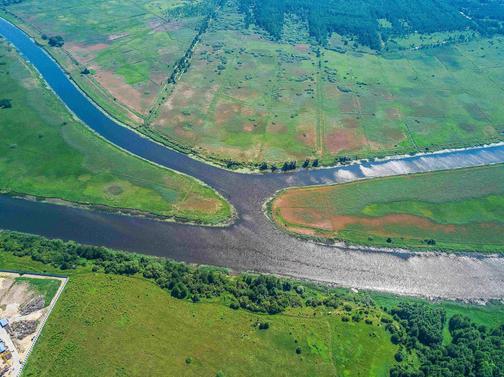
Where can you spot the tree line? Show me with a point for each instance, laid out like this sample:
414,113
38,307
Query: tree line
361,18
416,328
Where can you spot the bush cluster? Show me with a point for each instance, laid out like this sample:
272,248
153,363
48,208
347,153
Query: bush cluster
474,351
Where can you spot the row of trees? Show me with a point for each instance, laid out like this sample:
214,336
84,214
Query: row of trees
474,351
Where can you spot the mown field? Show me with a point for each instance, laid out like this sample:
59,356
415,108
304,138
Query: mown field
243,96
460,210
46,153
124,323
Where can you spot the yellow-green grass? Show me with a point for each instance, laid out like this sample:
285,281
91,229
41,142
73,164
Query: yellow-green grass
106,325
46,153
459,210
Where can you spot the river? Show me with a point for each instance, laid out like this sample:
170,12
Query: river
252,243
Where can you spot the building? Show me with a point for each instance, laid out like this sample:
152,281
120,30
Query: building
2,347
4,322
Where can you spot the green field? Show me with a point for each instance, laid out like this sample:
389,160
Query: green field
459,210
106,325
112,324
243,97
46,153
248,98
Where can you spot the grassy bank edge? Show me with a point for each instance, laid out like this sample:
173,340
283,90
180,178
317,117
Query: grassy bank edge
375,245
228,219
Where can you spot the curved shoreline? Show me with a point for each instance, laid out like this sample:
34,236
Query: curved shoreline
251,243
335,241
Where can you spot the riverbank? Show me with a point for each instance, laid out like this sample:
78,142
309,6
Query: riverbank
60,158
455,210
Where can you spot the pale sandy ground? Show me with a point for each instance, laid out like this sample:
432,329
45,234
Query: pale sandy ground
12,296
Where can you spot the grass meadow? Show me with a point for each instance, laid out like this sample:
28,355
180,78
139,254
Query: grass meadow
106,325
46,153
247,98
460,210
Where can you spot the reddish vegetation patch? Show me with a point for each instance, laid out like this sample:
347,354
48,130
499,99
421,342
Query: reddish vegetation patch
307,135
317,221
231,112
350,123
118,88
199,204
226,112
84,53
344,139
277,129
302,47
244,93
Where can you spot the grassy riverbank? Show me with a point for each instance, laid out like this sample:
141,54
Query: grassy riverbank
459,210
46,153
117,319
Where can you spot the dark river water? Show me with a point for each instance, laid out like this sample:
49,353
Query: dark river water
252,242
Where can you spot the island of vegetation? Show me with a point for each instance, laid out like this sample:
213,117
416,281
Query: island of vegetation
273,84
46,153
457,210
124,313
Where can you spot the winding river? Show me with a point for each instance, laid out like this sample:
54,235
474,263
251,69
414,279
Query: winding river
252,243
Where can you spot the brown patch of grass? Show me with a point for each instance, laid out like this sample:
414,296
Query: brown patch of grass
302,47
120,90
315,221
344,139
199,204
84,53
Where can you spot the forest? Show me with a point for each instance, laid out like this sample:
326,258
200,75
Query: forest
361,18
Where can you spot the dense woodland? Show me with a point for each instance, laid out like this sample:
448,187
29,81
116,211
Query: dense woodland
474,351
417,328
372,21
